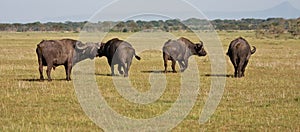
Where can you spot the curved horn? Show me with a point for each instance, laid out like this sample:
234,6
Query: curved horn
253,50
201,42
80,47
199,45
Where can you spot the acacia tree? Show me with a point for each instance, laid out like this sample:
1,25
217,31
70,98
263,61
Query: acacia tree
119,27
132,26
293,26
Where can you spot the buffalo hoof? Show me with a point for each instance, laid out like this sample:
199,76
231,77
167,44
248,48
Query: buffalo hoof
49,80
239,76
113,74
68,79
174,71
121,72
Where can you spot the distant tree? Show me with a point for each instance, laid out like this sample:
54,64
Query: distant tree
294,27
271,27
106,26
119,27
132,26
148,25
140,24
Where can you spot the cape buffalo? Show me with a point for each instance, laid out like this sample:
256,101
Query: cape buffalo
118,52
239,52
180,50
67,52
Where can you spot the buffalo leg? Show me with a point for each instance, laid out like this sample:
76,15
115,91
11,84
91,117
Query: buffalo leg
234,63
173,65
240,67
239,71
186,63
49,67
68,69
165,57
244,67
165,64
235,71
40,61
120,69
182,66
126,69
69,73
41,72
112,70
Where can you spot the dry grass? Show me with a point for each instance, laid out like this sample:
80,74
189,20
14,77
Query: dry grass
268,98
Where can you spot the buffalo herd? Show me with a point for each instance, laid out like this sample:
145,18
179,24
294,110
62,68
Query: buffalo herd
68,52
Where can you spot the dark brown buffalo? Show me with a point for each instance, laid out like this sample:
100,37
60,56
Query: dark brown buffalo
180,50
239,52
67,52
118,52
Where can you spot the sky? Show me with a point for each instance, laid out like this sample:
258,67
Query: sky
24,11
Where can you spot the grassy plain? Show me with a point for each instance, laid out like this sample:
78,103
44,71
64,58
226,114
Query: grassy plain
268,98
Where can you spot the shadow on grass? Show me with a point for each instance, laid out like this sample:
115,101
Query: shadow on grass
109,75
38,80
158,71
162,71
219,75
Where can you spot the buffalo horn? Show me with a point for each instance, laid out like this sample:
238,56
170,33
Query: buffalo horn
80,47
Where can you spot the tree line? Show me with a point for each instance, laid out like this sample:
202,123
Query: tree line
274,26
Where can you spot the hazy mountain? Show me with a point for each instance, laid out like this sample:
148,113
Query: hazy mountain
75,18
284,10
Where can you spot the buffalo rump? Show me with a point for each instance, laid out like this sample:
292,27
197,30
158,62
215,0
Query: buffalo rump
239,52
118,52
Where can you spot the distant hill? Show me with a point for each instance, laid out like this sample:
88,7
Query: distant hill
283,10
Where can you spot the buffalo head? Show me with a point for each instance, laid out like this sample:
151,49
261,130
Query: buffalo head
88,50
101,50
199,49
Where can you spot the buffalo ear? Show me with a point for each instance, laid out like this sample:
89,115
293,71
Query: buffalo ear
101,45
98,45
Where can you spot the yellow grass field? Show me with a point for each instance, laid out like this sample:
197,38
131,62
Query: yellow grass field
266,99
